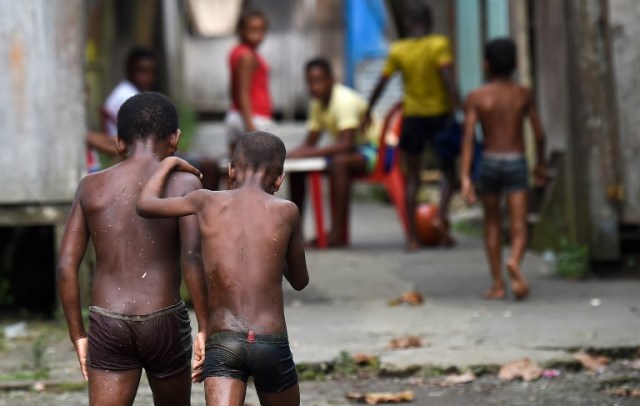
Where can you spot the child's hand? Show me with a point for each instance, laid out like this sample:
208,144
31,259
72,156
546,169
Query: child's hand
81,346
540,175
468,191
179,164
197,365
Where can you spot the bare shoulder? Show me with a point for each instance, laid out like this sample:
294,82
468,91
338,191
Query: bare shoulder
182,183
475,95
286,208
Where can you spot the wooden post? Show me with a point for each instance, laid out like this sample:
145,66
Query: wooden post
592,141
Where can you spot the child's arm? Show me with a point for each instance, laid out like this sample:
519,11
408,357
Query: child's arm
72,248
539,171
296,265
470,118
449,78
151,205
373,99
246,66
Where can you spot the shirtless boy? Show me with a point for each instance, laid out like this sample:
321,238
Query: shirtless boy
137,318
250,240
501,106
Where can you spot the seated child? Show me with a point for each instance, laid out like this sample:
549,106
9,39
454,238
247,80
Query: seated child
501,106
250,240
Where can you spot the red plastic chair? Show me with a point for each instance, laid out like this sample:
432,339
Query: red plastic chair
388,173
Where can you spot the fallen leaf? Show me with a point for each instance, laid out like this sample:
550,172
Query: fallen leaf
524,368
459,378
361,358
411,297
374,398
593,363
406,342
624,392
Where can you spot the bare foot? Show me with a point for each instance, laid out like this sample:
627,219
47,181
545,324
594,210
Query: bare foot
444,238
519,285
495,294
412,246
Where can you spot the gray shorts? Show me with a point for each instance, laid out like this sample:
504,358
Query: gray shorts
503,173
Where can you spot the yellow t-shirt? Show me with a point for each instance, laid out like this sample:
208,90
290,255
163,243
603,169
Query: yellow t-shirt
345,111
419,61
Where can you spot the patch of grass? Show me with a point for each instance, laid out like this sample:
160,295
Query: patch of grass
24,376
572,260
471,229
67,387
313,372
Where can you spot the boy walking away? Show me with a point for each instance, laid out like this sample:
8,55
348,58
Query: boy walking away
250,240
501,107
430,99
137,318
250,96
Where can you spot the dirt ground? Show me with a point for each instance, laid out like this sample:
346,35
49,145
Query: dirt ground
573,386
569,389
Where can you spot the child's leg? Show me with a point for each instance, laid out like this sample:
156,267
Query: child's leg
517,202
113,387
220,391
413,182
446,190
290,397
173,390
492,225
343,168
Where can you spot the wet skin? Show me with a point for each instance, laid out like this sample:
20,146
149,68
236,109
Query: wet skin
250,240
137,261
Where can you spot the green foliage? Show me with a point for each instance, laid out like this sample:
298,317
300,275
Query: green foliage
572,260
468,228
188,121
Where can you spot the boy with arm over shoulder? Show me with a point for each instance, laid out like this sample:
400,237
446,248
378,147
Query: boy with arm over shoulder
250,240
501,106
137,318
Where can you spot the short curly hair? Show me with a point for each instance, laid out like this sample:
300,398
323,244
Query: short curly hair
260,150
145,115
500,55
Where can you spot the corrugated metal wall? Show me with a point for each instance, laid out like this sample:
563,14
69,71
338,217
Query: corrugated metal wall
624,16
42,118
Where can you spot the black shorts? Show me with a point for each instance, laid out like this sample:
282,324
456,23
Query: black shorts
159,342
266,357
417,131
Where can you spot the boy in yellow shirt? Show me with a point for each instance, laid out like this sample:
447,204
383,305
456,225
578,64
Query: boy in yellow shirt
338,111
431,96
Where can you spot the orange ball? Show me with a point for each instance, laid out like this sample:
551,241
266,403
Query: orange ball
427,224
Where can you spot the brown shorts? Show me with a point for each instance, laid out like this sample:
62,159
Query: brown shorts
159,342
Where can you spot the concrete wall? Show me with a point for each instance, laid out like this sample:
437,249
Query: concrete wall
42,118
623,19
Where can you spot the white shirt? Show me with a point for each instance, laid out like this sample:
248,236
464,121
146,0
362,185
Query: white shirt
116,98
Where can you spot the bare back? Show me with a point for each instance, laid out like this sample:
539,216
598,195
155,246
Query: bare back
501,108
137,259
246,235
